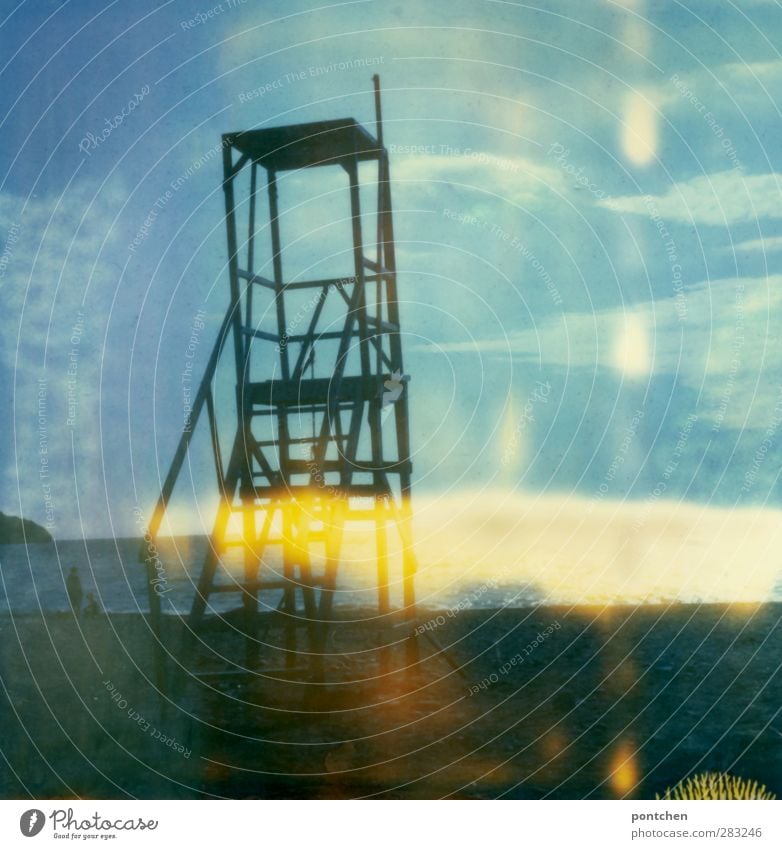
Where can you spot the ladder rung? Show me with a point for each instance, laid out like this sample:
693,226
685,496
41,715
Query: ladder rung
320,284
355,490
298,284
317,536
314,390
255,278
271,443
357,466
240,543
384,326
260,334
378,269
291,408
318,337
366,515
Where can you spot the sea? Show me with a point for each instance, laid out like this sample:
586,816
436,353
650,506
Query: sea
33,579
673,558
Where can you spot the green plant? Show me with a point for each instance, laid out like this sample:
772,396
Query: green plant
716,785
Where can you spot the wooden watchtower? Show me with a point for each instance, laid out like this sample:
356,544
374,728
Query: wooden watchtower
321,419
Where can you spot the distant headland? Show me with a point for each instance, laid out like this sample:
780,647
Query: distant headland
14,530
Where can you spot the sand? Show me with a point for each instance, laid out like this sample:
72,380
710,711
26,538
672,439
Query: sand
547,702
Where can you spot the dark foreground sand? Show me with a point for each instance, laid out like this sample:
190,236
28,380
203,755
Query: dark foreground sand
550,702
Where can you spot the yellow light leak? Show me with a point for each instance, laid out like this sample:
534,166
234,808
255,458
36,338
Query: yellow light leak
639,129
193,518
569,549
632,354
511,445
636,36
575,551
623,771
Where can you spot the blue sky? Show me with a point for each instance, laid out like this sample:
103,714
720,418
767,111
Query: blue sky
587,207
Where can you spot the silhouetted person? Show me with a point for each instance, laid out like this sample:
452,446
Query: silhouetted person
91,608
73,587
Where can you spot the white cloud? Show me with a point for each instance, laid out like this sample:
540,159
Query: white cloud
742,84
768,245
727,197
720,340
763,72
569,340
517,179
62,248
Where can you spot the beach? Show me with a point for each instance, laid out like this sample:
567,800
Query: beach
574,702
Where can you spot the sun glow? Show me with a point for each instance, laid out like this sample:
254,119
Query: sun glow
631,347
639,129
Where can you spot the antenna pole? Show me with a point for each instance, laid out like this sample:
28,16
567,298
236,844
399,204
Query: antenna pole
378,110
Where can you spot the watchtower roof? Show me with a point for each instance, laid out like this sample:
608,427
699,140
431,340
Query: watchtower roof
306,145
